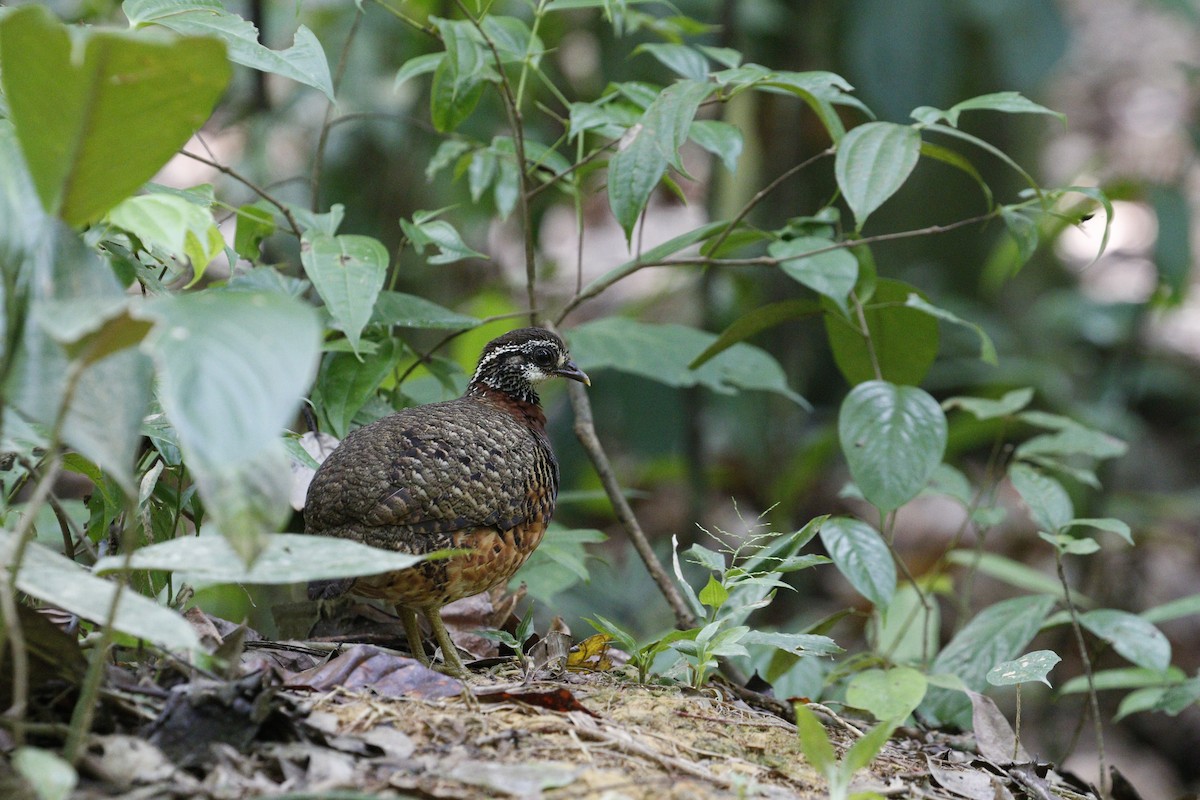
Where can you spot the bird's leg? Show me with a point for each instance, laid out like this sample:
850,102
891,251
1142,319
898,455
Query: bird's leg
453,665
412,630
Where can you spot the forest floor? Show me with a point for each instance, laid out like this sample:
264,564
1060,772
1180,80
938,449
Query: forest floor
315,721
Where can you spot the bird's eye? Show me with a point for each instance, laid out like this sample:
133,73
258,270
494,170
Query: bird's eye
543,357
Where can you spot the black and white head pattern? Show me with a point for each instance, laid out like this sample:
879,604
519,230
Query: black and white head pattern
515,362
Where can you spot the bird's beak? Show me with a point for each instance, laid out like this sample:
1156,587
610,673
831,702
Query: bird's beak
569,370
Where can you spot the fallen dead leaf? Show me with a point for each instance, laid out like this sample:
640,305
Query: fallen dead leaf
365,666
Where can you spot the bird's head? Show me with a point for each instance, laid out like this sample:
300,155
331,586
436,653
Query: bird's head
515,362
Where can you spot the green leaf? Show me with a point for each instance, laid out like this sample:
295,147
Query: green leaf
755,321
51,777
997,633
59,581
513,39
347,381
233,367
1014,573
959,162
797,644
560,562
713,594
284,558
987,350
831,272
424,231
171,227
347,271
1134,638
723,140
887,694
1070,544
1074,440
1008,102
1124,678
1024,232
1033,666
983,408
860,554
683,60
649,147
711,560
814,741
77,311
1105,524
904,340
253,225
872,162
459,78
863,751
417,66
303,62
1048,502
409,311
662,353
97,121
893,438
990,148
1182,607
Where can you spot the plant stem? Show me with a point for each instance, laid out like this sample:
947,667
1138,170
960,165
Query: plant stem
314,185
1085,659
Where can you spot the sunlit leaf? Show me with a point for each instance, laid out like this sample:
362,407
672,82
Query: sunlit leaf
97,121
303,62
58,580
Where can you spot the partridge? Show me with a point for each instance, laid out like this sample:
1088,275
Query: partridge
475,474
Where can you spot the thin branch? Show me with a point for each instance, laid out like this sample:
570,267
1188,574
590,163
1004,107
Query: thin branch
558,176
603,283
585,431
762,194
283,209
314,185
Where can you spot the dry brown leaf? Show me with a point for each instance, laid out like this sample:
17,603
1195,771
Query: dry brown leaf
365,666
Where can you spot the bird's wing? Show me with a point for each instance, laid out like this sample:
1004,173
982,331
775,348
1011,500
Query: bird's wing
436,472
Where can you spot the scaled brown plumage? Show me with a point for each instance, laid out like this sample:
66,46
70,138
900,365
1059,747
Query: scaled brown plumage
475,473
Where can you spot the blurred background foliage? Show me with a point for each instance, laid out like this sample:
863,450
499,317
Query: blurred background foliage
1113,342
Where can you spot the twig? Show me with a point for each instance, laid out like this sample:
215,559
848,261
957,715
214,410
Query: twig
314,184
600,284
585,431
283,209
761,195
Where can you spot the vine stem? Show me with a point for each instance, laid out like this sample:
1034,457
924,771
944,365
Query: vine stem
1085,659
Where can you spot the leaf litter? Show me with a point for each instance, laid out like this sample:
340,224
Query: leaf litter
327,720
